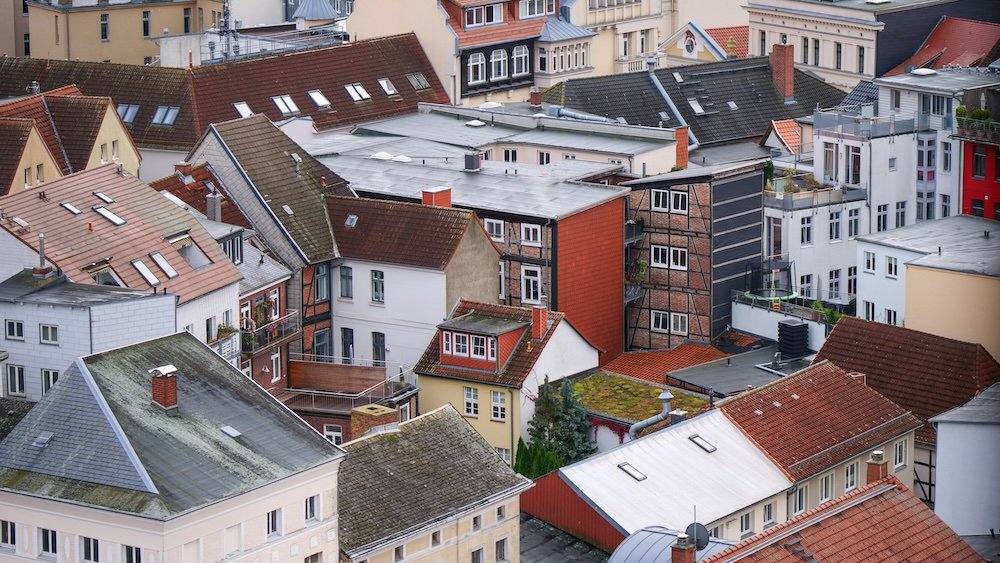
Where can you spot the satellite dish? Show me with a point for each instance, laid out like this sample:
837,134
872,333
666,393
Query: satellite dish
699,533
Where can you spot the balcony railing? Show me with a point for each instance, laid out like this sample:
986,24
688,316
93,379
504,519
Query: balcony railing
228,347
978,129
633,231
278,330
805,198
395,387
638,63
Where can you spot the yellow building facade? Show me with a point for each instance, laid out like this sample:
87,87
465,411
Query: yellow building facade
954,304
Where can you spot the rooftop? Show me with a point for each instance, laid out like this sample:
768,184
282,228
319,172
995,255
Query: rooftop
629,400
734,40
542,543
699,172
479,323
24,288
952,81
191,188
867,5
381,466
959,243
259,270
654,544
654,365
11,413
112,448
984,408
955,41
921,372
733,374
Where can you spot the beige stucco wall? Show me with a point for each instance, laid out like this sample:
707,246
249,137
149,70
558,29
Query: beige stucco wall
729,526
13,27
657,161
35,153
612,22
710,13
113,130
473,272
459,540
438,391
954,305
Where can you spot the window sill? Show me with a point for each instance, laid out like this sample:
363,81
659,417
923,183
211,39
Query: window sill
345,299
49,343
467,415
836,241
531,244
769,525
898,468
14,338
377,303
746,535
500,420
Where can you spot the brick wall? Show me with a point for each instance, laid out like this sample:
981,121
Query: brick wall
332,377
364,419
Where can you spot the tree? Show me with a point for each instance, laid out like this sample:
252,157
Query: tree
570,434
533,460
546,410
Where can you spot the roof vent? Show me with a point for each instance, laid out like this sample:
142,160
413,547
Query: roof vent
351,220
231,432
490,105
475,123
401,158
298,163
922,71
381,156
43,439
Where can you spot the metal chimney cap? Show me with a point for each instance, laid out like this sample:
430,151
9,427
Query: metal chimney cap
666,396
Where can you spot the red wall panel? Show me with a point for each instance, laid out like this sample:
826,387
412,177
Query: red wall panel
553,501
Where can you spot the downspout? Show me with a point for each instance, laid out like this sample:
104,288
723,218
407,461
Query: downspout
553,277
513,448
651,63
638,427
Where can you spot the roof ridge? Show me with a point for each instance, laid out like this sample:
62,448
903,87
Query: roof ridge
55,131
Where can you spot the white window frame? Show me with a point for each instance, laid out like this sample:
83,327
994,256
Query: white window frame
504,454
498,403
90,550
491,349
48,334
659,256
869,259
475,16
498,64
659,321
891,266
471,395
285,104
536,8
834,226
446,342
273,524
502,273
805,230
131,554
334,433
276,364
825,487
679,324
501,550
8,534
48,543
378,286
660,200
678,258
768,513
899,455
531,235
477,342
476,68
494,228
388,87
531,285
520,58
357,92
746,523
850,476
800,500
311,508
13,329
318,98
243,109
461,344
49,379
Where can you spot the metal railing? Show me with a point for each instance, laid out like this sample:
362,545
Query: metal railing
633,231
978,129
799,307
228,346
335,401
274,331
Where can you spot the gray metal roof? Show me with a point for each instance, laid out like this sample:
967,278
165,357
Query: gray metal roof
259,270
721,155
693,172
944,80
315,10
983,409
653,545
558,29
584,142
481,324
964,247
112,448
732,374
23,288
551,191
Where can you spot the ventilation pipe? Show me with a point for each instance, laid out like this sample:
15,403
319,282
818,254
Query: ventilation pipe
559,111
673,109
638,427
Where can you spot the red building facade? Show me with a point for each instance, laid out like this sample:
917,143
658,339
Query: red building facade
981,178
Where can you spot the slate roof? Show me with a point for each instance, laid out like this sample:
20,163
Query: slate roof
259,270
75,242
112,448
865,92
955,41
15,133
734,40
399,233
264,152
206,94
745,82
984,408
921,372
543,543
192,189
653,366
11,413
22,287
882,521
816,418
409,462
522,359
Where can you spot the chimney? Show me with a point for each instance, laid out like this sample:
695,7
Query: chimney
535,98
878,467
651,64
164,383
858,376
213,206
683,551
183,167
437,197
539,322
681,137
367,417
783,70
473,161
678,415
298,163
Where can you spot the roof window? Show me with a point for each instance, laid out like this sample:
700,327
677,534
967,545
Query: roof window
387,86
165,115
702,443
357,92
231,432
103,197
188,250
43,439
127,112
418,81
164,265
71,208
696,106
243,109
146,273
632,471
109,215
733,106
285,104
319,99
352,220
677,77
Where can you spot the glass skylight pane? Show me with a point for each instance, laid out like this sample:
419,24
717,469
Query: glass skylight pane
104,197
319,99
281,104
353,92
632,472
702,443
361,91
109,215
147,274
291,105
164,265
695,106
387,85
171,116
243,109
160,114
127,112
71,208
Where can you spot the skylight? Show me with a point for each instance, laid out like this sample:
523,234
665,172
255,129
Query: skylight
285,104
146,273
677,77
319,99
288,210
109,215
702,443
243,109
631,471
733,106
164,265
165,115
357,92
103,197
127,112
71,208
43,439
351,220
696,106
231,432
386,85
418,81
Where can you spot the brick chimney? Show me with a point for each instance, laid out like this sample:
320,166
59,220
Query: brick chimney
878,467
437,197
539,322
367,417
681,136
535,98
683,551
783,70
858,376
213,206
164,384
184,168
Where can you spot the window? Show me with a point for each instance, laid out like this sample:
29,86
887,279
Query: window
498,64
768,514
477,523
321,101
678,258
334,433
661,200
978,208
114,155
853,165
346,282
187,20
501,513
531,235
357,92
659,321
815,52
945,205
461,342
48,544
14,329
127,112
892,163
679,202
900,214
853,222
321,282
165,115
49,378
678,323
104,153
746,523
274,522
404,412
27,177
388,87
314,558
869,311
378,286
806,230
479,347
531,8
8,534
131,554
504,454
520,61
500,551
716,532
417,80
935,105
979,161
310,507
659,255
494,228
899,459
347,345
800,500
378,349
90,550
544,157
882,218
510,155
838,55
852,280
869,262
48,334
805,285
850,477
763,43
826,487
499,402
475,16
285,104
861,60
531,284
15,379
146,273
104,27
471,400
891,317
834,284
476,68
891,266
805,50
145,23
835,225
435,538
478,556
543,60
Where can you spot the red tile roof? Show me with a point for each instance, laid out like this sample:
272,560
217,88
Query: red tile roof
816,418
788,132
653,366
399,233
75,242
734,40
521,361
921,372
78,120
35,108
511,29
882,521
192,189
15,133
955,41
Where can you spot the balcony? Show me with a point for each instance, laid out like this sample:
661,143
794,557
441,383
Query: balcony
796,192
227,346
637,63
605,12
324,384
846,124
277,331
985,130
633,231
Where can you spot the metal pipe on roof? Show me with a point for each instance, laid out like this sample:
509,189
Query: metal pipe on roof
638,427
666,97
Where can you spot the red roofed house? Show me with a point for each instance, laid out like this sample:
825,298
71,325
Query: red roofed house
735,40
653,366
883,521
785,135
488,360
955,41
692,44
921,372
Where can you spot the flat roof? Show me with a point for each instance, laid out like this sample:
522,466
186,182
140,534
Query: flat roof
867,6
951,80
694,172
962,240
735,373
23,288
983,409
552,191
482,324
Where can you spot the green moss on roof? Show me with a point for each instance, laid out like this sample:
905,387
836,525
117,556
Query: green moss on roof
11,412
625,398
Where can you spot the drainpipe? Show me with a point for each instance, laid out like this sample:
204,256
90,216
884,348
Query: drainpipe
651,63
638,427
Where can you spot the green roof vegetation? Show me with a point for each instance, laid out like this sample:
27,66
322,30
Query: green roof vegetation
629,399
11,412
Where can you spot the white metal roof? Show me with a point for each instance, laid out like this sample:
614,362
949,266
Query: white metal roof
680,476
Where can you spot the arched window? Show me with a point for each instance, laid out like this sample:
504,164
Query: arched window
477,68
498,64
520,60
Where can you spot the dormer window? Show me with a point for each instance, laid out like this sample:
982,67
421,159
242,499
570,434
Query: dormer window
483,15
534,8
474,346
461,342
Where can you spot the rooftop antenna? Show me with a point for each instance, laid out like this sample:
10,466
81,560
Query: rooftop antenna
227,33
697,532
